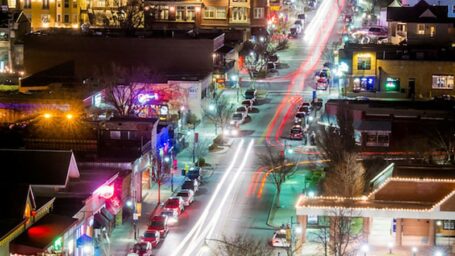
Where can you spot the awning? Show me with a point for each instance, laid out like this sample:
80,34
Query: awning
225,49
100,221
107,214
41,235
373,125
83,240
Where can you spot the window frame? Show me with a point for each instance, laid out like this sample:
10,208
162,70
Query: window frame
448,81
420,29
364,59
258,10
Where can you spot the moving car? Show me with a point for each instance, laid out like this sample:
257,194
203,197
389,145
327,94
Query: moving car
152,237
159,223
174,204
237,119
299,117
243,110
279,239
250,94
141,249
296,133
172,217
191,184
187,196
232,131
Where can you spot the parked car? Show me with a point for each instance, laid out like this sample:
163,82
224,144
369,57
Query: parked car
174,204
300,23
243,110
296,133
304,109
194,173
301,16
172,216
237,119
374,32
141,249
299,117
187,195
159,223
271,66
249,104
191,184
152,237
279,239
250,94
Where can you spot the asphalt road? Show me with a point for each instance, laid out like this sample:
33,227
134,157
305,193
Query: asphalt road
232,201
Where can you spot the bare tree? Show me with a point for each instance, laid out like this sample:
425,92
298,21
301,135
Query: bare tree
241,245
277,169
257,55
160,173
122,86
345,178
219,111
442,138
338,234
131,16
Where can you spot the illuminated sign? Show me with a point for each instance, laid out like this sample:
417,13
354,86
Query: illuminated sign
105,191
392,84
146,97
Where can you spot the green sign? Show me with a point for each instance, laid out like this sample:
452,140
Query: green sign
392,85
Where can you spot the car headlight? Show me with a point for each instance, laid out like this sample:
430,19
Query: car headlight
226,132
235,132
232,122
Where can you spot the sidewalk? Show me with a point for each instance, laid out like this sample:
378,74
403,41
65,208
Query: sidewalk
122,237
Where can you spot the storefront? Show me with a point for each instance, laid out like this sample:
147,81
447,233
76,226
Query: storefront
364,84
372,133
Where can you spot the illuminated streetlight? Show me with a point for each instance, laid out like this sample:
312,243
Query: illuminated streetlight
167,159
212,107
438,253
390,246
311,194
47,115
261,39
365,249
414,251
69,116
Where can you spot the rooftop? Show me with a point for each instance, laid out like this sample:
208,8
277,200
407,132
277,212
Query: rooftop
422,12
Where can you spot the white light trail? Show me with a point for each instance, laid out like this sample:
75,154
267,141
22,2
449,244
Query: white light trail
201,220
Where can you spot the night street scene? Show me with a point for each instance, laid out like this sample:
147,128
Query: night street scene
227,128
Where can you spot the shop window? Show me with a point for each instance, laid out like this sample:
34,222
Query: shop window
115,135
383,139
45,4
259,13
179,15
449,225
362,84
421,29
364,63
190,13
27,4
392,84
432,31
444,82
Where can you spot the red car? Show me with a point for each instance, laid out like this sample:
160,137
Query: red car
152,237
159,223
174,204
142,249
296,133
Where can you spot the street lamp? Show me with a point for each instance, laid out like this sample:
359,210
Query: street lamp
47,115
390,246
438,253
365,249
414,251
212,107
69,116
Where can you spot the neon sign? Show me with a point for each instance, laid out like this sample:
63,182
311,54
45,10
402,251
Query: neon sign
146,97
105,191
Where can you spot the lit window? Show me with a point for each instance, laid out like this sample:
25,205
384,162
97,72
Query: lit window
444,82
259,13
215,13
421,29
363,63
449,225
179,15
239,14
115,135
45,4
432,31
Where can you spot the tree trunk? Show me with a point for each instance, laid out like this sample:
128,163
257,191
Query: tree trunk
277,199
159,192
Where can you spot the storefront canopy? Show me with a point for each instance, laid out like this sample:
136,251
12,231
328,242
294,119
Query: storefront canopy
42,234
370,125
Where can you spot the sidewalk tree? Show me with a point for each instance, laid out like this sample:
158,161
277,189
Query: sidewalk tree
131,16
257,54
159,174
339,233
121,86
278,169
241,245
442,139
219,111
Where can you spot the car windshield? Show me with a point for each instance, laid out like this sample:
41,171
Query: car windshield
300,115
157,224
281,235
140,247
246,102
172,203
237,116
296,130
323,74
168,213
183,194
375,30
242,109
150,234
